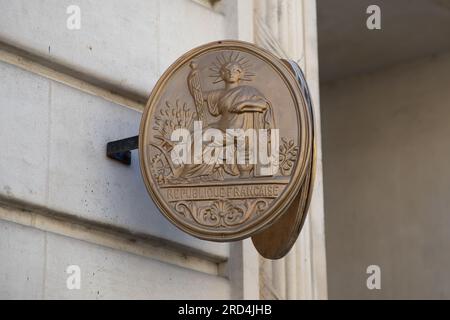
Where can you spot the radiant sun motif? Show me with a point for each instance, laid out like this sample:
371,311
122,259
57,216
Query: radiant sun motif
224,63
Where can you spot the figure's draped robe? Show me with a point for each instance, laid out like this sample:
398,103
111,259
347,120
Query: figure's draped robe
224,103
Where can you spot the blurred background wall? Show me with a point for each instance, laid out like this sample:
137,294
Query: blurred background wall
385,100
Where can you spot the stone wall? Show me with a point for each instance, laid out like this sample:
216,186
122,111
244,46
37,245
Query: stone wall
386,181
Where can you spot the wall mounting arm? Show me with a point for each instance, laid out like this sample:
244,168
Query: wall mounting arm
120,150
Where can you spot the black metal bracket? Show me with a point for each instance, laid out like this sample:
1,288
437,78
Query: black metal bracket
120,150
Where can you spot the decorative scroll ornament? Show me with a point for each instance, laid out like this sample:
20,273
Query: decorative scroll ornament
226,145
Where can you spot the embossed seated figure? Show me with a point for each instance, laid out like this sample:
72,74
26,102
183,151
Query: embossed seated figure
237,106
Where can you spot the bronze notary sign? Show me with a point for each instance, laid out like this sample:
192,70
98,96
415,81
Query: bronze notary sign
227,146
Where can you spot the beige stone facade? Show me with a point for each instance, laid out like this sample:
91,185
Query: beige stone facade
66,92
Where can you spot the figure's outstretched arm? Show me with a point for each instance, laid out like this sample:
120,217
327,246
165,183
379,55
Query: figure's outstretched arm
259,105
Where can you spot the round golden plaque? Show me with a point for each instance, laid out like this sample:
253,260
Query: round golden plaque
226,146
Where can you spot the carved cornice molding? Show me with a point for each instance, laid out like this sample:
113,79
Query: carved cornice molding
265,38
87,83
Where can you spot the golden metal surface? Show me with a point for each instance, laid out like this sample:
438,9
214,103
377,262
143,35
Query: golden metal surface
230,85
276,241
